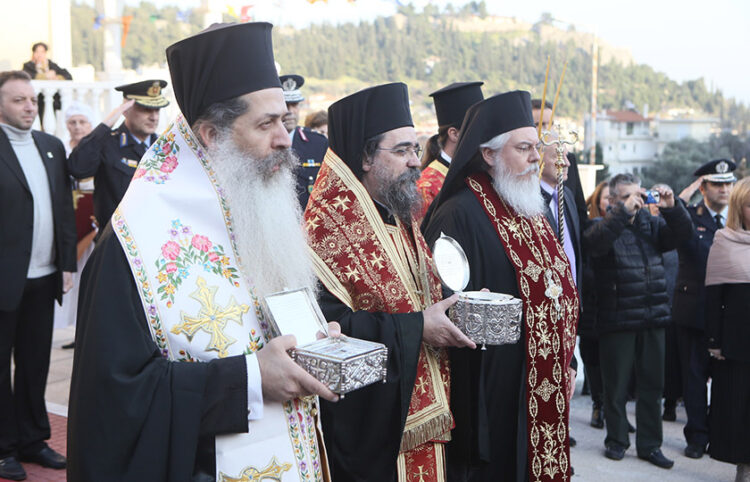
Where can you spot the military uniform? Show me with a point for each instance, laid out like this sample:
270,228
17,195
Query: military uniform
309,146
688,308
112,155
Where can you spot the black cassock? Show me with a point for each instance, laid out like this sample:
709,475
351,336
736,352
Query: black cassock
363,431
134,415
487,386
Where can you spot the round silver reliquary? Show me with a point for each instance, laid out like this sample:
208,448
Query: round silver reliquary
486,318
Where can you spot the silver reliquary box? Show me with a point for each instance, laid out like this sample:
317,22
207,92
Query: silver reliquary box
486,318
343,364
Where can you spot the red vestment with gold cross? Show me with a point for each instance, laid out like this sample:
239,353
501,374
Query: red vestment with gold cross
372,266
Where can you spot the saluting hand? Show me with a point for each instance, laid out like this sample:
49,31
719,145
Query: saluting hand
439,330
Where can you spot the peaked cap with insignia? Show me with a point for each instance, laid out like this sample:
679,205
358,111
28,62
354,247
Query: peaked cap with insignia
718,170
222,62
290,84
146,93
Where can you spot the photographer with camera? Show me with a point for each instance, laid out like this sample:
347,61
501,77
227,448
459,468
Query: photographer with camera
626,248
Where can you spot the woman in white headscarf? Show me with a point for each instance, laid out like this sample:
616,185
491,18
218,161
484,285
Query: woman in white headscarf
728,330
78,119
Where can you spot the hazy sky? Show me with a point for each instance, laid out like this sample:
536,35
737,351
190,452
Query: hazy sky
684,39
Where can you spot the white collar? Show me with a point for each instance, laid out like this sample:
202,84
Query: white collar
445,156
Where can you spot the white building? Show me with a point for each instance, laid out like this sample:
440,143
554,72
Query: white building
631,141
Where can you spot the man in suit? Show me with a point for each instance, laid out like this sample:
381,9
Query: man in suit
37,253
309,146
708,216
112,155
573,180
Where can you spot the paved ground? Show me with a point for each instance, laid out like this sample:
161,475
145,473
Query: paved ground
587,457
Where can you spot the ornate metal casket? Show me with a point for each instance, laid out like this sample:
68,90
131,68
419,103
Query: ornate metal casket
343,364
486,318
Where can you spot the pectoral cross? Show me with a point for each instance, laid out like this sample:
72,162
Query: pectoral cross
211,318
553,291
559,144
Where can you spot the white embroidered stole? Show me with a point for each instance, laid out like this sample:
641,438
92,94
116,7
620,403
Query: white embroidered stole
175,227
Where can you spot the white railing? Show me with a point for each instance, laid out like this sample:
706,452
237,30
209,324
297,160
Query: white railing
100,96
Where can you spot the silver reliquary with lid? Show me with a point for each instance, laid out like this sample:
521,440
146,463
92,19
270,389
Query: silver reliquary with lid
486,318
343,364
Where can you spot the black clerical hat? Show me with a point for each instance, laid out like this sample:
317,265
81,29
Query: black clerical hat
146,93
718,170
365,114
290,84
484,121
220,63
452,102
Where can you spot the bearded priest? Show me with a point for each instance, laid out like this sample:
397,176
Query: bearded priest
176,376
379,284
510,402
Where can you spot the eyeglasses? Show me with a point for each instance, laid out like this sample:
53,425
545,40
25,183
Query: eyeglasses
403,151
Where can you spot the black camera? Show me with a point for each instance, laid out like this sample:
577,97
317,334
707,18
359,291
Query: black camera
651,197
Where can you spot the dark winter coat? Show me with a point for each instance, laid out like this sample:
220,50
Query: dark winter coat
631,287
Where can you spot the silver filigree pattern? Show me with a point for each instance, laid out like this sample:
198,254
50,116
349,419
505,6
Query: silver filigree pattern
344,364
488,318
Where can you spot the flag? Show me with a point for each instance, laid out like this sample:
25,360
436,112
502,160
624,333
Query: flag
125,28
231,11
98,22
245,13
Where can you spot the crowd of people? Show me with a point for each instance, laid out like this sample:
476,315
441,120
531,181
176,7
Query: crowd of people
162,249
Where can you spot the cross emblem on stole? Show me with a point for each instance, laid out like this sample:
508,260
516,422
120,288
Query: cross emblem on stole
211,318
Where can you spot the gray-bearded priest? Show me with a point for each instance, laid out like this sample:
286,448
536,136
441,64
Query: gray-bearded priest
510,402
175,377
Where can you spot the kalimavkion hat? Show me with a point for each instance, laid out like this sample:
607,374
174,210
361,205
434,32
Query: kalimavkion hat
146,93
220,63
363,115
484,121
718,170
452,102
290,84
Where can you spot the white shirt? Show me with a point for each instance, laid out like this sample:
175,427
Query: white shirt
723,214
445,156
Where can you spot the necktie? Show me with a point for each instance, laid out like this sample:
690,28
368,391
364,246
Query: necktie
719,224
547,197
139,149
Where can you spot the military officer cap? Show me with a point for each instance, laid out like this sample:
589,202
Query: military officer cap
718,170
290,84
146,93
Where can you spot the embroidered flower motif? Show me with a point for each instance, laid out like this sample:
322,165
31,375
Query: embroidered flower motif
170,250
169,164
160,161
201,242
184,250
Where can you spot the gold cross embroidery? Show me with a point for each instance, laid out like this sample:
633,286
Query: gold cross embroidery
211,318
422,472
421,385
273,472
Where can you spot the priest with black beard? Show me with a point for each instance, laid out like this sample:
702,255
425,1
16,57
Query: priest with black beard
175,375
378,283
510,402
